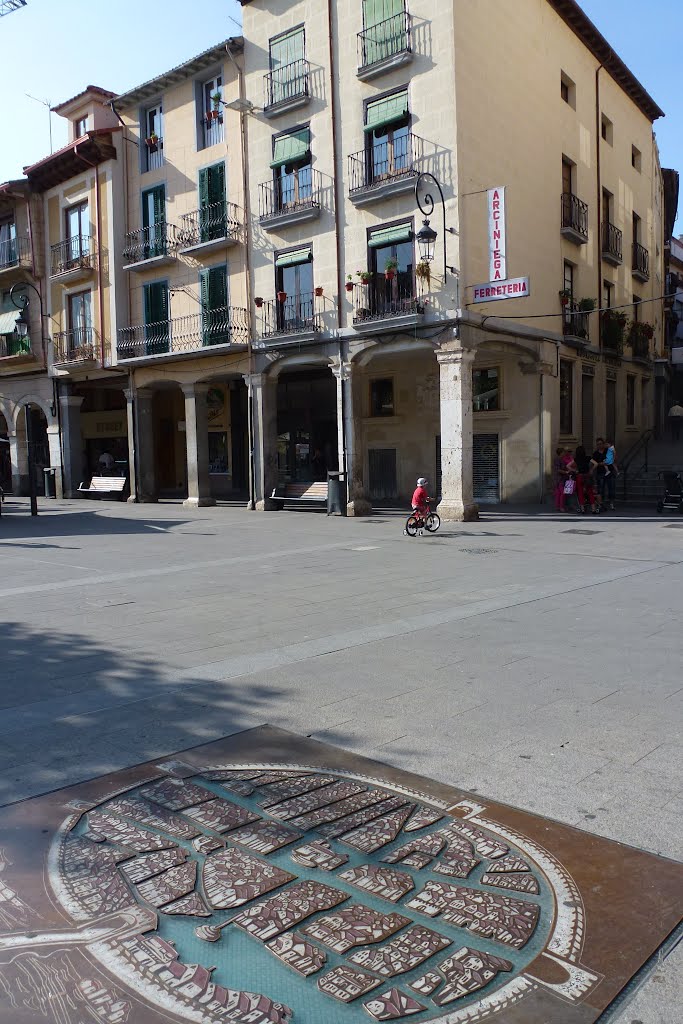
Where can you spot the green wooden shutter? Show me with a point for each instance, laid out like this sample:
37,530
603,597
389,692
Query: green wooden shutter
383,32
153,219
284,52
156,317
212,206
390,236
291,147
214,303
386,111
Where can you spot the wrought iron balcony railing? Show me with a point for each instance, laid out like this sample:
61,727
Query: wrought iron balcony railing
78,345
574,216
15,252
574,321
298,191
641,261
155,155
611,243
13,345
72,254
639,341
228,325
213,129
388,39
383,300
209,223
287,84
297,314
381,163
150,242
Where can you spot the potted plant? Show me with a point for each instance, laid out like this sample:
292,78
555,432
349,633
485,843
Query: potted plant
612,329
216,100
318,290
152,142
282,296
258,301
586,305
423,271
565,296
364,275
390,268
349,283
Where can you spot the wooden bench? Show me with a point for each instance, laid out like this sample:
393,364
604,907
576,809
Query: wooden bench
101,486
301,493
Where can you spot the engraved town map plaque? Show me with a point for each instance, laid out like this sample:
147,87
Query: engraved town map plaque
266,878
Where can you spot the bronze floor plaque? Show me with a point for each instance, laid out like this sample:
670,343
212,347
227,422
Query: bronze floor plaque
267,878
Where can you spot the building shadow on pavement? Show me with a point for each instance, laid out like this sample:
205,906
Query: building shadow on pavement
90,523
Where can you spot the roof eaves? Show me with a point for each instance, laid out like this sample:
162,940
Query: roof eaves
177,74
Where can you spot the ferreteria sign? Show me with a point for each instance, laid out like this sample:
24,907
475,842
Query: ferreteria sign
515,288
497,258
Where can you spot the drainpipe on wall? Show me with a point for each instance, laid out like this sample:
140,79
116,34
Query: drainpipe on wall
98,219
598,135
125,140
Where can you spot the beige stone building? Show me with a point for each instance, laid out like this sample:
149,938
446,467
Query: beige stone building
469,369
183,334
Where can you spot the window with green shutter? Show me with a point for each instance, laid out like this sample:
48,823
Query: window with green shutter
287,73
388,138
157,327
212,204
292,170
154,221
384,30
213,285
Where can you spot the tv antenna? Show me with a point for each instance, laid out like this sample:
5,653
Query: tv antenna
44,103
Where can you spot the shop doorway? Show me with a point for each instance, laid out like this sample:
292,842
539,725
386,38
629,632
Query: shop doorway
486,468
306,425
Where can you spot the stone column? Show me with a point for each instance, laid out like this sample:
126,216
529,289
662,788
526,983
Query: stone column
263,391
197,445
348,431
455,398
55,447
130,426
18,454
145,476
72,443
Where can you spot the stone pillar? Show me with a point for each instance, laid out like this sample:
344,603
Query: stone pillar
197,445
130,426
263,390
455,398
72,443
55,447
144,446
18,454
349,435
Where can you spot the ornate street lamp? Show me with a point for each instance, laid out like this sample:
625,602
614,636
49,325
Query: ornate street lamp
427,236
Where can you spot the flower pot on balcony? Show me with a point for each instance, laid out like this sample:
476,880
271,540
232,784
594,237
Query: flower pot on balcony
389,275
282,296
318,291
349,286
212,115
152,143
258,301
564,298
365,276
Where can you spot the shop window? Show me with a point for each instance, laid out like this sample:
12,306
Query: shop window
382,397
486,389
630,400
566,396
218,452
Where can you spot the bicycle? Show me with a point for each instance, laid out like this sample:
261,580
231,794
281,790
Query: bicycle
416,524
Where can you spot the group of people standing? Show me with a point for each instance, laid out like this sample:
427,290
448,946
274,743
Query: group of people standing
591,479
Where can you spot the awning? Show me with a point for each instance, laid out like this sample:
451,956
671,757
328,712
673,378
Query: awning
290,259
294,146
390,236
8,321
386,111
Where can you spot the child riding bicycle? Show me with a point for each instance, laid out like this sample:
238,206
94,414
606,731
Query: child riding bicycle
421,499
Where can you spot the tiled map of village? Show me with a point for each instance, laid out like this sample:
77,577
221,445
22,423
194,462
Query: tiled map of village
379,898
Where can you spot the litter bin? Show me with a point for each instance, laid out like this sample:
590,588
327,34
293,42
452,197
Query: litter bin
336,493
50,476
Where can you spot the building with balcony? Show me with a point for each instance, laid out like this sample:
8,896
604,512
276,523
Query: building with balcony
368,358
184,338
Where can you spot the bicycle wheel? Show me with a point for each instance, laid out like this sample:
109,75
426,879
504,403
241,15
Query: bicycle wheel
432,522
412,526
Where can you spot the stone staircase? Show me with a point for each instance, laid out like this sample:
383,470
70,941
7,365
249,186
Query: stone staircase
640,477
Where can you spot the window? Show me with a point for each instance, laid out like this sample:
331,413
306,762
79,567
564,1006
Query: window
567,176
606,129
391,262
156,317
382,397
294,284
486,389
636,228
212,206
292,172
568,90
80,127
569,279
636,311
154,222
80,320
387,133
607,294
607,200
636,158
8,243
566,396
218,452
630,400
213,288
384,31
288,77
212,111
77,231
153,129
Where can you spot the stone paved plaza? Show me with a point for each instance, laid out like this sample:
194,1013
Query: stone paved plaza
531,659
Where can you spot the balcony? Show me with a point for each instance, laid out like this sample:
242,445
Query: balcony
385,170
391,305
15,253
574,219
640,267
612,327
385,46
153,246
154,157
14,347
215,226
211,330
292,199
80,345
294,321
574,324
639,337
212,128
73,259
611,244
287,88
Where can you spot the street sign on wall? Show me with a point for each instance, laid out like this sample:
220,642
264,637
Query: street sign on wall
515,288
497,258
